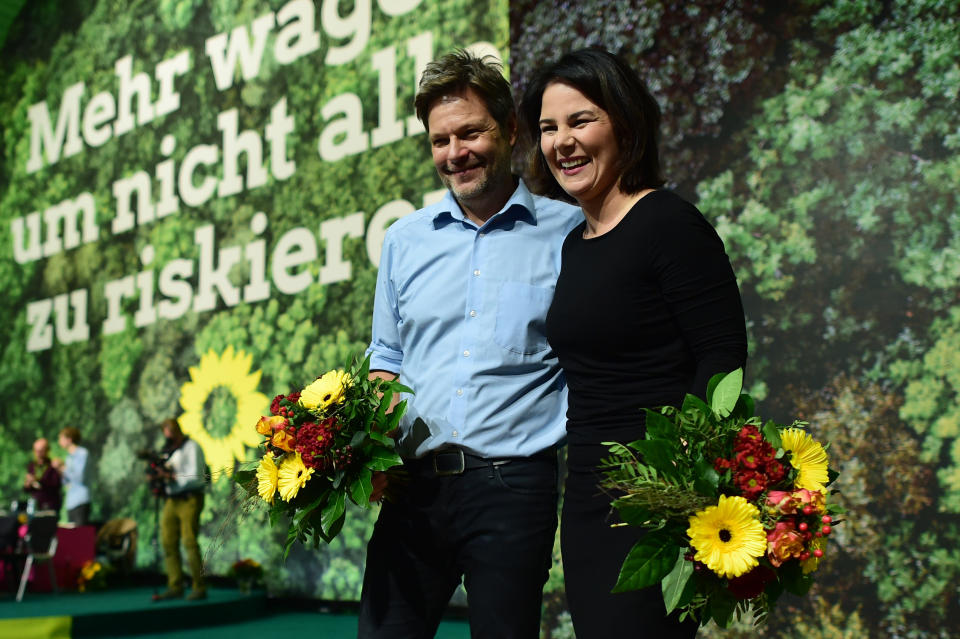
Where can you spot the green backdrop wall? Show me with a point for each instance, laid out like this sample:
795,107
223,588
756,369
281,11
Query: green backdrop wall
193,193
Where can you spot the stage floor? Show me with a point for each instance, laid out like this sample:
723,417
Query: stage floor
226,613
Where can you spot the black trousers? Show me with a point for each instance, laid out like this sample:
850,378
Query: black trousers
492,526
593,553
79,515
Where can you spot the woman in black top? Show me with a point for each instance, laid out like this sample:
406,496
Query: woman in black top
646,310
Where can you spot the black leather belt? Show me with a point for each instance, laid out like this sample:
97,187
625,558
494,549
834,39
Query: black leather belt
456,461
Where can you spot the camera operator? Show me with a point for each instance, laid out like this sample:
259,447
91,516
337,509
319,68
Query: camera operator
183,475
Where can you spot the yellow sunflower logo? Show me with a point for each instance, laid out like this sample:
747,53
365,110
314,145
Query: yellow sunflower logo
231,372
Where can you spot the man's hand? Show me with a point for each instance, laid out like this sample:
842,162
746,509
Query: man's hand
379,482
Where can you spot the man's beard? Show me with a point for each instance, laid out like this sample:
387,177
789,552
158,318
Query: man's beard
494,171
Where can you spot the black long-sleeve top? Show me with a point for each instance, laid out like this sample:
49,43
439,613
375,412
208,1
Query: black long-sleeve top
641,316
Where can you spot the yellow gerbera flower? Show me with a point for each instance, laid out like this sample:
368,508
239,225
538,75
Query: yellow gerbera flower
808,457
292,476
728,537
326,390
267,478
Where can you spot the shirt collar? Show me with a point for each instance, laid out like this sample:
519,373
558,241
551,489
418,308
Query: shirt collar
519,206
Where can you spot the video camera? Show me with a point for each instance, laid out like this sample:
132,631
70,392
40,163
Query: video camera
155,465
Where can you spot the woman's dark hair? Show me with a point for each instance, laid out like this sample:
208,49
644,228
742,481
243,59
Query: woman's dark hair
613,86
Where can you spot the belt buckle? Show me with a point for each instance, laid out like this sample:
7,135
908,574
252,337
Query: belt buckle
442,472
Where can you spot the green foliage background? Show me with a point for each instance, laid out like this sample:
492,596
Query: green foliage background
117,388
821,137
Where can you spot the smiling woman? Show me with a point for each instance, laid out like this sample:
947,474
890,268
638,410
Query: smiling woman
646,310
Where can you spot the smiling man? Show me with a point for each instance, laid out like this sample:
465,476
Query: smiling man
462,295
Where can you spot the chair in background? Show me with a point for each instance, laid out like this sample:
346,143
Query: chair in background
8,547
41,546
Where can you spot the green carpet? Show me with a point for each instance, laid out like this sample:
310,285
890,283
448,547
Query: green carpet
226,613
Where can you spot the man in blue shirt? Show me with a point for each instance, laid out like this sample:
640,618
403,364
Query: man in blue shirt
462,296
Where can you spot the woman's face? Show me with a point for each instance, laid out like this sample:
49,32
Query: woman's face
579,144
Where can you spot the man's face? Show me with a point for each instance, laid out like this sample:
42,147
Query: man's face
470,151
41,448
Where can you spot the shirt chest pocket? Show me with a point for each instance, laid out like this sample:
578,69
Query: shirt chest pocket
521,317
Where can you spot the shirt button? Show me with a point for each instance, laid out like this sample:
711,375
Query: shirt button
456,434
466,353
459,392
483,235
476,272
473,313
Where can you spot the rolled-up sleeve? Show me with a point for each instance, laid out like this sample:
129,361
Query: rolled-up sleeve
385,350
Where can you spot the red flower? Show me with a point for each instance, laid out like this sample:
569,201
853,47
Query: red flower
748,459
314,443
775,471
294,397
749,434
722,464
752,583
751,483
275,405
766,453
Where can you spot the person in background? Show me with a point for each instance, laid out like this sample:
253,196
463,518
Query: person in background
646,310
43,482
185,478
74,472
462,293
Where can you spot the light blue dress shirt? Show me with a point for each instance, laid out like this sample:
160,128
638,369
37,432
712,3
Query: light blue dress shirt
459,316
75,478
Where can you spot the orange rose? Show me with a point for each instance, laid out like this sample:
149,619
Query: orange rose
783,543
284,441
267,425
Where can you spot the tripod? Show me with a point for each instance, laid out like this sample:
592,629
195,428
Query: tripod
156,538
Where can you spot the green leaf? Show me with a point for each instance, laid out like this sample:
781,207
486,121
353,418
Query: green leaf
726,393
631,513
708,479
361,488
676,584
745,407
657,453
721,606
309,508
694,403
244,477
331,532
659,426
772,434
358,439
649,561
382,459
333,511
793,579
712,385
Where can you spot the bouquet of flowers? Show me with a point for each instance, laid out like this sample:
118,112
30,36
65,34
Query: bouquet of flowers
322,445
737,509
247,572
246,569
92,575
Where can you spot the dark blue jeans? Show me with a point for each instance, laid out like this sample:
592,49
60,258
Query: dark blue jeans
493,527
